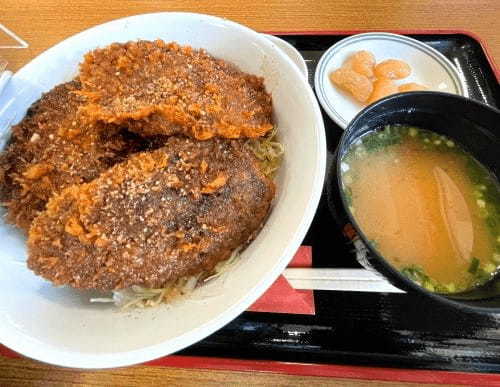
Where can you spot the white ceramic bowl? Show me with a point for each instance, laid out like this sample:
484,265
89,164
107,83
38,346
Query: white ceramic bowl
292,53
59,325
429,67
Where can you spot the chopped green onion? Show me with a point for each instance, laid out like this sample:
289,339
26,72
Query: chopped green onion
373,243
428,285
474,265
496,258
490,268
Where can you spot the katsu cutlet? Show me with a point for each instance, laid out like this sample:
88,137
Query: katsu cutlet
51,148
161,215
159,88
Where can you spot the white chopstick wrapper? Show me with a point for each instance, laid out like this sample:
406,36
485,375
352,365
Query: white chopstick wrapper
353,280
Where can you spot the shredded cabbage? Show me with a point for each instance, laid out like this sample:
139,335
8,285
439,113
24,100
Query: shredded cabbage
268,151
138,296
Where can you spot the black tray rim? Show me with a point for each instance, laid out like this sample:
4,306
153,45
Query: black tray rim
467,33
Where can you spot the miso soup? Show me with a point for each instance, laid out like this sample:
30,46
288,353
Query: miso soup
426,205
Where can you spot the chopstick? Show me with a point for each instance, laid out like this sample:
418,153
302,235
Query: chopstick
354,280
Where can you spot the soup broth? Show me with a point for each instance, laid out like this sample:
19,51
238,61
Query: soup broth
427,206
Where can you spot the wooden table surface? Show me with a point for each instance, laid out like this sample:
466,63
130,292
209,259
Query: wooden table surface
45,23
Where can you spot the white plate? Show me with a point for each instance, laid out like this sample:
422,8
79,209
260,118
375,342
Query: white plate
59,325
292,53
429,67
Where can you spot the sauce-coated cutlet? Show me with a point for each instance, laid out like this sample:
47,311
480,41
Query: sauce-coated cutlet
52,148
161,215
160,88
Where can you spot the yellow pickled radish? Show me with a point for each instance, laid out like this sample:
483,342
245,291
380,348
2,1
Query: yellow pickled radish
359,86
362,62
382,88
412,86
392,69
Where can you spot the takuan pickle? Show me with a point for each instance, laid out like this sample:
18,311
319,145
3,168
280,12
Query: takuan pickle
382,88
359,86
392,69
368,82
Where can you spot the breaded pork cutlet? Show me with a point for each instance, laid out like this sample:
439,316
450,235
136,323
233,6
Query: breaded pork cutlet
159,88
51,149
155,218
